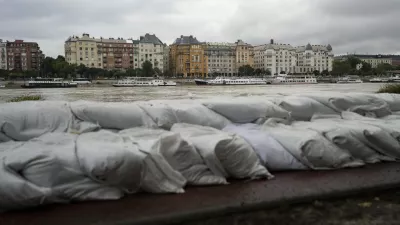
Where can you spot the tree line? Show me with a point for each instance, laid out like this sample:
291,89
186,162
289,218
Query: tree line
355,66
59,68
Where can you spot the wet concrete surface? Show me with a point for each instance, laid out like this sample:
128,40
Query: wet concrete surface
208,202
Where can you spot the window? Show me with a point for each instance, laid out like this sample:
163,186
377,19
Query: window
80,59
80,48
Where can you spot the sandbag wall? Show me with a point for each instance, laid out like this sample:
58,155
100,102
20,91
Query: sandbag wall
58,152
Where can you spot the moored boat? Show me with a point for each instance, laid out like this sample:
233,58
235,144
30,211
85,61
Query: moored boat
82,81
375,80
352,79
231,81
201,82
143,82
39,82
294,79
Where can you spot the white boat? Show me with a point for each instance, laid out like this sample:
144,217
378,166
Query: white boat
2,86
82,81
39,82
375,80
142,82
394,79
379,80
294,79
232,81
350,80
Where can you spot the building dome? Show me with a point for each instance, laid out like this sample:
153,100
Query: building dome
329,47
309,47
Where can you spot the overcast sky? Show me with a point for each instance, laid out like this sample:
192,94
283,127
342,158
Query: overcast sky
362,26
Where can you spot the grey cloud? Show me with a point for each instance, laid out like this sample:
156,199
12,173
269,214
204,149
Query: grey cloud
349,25
358,8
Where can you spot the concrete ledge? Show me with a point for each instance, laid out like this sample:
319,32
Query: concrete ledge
206,202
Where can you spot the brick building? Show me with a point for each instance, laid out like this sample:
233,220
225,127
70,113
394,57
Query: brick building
23,56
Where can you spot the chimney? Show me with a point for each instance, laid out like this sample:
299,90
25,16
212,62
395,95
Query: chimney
191,36
272,41
181,36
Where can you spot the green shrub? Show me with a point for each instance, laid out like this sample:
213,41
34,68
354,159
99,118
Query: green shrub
26,98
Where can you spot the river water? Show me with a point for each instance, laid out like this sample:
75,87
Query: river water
128,94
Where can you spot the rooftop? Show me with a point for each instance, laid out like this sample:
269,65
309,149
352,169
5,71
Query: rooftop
150,38
186,40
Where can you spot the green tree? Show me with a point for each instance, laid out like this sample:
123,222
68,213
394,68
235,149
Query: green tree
148,70
383,68
157,71
325,73
268,72
341,67
4,73
246,70
353,61
366,68
258,72
316,72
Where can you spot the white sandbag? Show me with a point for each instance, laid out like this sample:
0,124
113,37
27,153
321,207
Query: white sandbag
180,155
9,146
17,193
350,138
245,109
159,176
311,148
385,134
271,153
362,104
22,121
392,99
106,157
80,127
225,154
171,112
161,113
113,115
303,108
50,161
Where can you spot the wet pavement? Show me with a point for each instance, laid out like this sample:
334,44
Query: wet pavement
208,202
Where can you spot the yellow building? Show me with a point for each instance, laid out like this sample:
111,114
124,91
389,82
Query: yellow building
83,50
187,57
244,54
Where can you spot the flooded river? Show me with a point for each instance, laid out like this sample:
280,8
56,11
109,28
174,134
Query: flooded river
180,92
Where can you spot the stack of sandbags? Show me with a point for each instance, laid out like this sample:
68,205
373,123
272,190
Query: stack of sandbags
22,121
108,158
227,155
346,136
246,109
363,104
393,100
46,170
310,147
303,108
171,151
112,115
271,153
391,127
169,113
